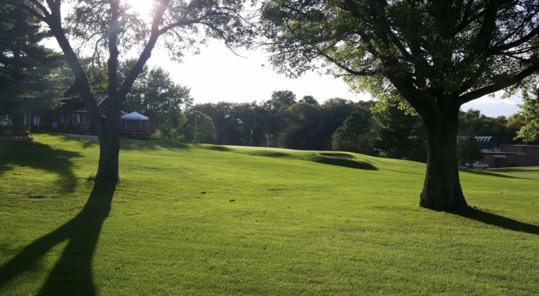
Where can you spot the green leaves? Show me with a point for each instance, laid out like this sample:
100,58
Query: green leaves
468,150
28,70
529,131
451,48
157,96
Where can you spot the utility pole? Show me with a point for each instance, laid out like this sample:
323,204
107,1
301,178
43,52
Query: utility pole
268,136
196,121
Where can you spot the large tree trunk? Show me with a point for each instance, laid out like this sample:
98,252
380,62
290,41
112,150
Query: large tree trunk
442,190
107,126
109,152
109,141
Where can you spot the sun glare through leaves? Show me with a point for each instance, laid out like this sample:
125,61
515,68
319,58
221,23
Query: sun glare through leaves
142,8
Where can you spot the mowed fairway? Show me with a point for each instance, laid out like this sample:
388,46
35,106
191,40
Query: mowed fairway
214,220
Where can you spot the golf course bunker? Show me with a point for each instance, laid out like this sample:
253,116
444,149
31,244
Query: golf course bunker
338,155
343,160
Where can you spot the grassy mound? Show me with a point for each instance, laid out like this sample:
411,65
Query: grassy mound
225,220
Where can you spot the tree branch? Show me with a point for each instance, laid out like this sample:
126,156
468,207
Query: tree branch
54,21
516,43
147,51
516,78
41,16
112,34
364,72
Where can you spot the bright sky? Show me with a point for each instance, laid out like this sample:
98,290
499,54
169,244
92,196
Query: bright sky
216,74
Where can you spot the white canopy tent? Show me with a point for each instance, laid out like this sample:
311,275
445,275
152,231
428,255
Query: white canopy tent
135,116
135,119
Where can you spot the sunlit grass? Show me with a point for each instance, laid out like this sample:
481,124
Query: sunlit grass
215,220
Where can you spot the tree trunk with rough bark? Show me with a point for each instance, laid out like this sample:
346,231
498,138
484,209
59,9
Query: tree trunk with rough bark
442,190
107,124
109,152
109,140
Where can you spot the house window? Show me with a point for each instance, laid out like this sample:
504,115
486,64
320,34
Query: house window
71,118
84,118
5,120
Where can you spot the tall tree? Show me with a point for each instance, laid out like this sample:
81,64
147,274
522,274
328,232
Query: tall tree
514,124
309,100
529,131
198,127
302,124
400,134
116,31
252,123
157,96
334,113
468,150
356,134
475,122
437,55
29,77
225,120
281,100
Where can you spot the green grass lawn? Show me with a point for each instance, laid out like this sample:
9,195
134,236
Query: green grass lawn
216,220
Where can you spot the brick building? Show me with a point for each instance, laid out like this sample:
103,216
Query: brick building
507,155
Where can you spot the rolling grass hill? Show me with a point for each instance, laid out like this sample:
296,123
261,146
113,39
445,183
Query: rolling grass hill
223,220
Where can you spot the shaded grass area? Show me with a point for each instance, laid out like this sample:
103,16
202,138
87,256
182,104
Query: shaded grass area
41,157
72,273
337,159
497,220
191,221
492,173
343,162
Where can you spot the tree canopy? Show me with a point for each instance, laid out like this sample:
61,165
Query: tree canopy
529,131
110,30
156,95
468,150
356,133
29,72
436,55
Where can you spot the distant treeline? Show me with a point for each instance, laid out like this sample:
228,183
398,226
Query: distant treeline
336,124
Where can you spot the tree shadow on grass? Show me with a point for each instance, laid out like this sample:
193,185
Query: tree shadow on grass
344,162
217,148
150,144
268,153
496,220
520,169
483,172
72,274
42,157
